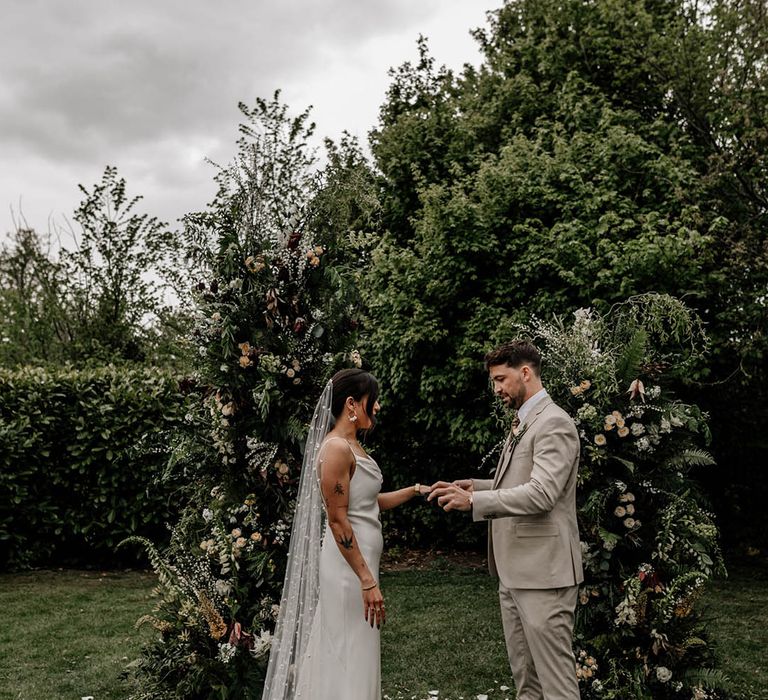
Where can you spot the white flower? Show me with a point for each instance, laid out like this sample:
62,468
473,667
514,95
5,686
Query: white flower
207,514
222,587
630,509
586,413
629,523
666,426
620,511
600,440
699,693
654,392
637,429
226,652
626,614
621,487
643,444
356,359
610,420
261,644
663,674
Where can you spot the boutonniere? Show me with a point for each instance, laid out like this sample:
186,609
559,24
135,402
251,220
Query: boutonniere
516,437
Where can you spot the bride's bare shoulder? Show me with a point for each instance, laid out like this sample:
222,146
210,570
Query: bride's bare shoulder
336,448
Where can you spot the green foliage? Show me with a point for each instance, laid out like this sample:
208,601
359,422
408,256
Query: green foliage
80,454
106,298
33,315
586,161
276,311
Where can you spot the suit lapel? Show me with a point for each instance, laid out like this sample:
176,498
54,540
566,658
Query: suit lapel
506,460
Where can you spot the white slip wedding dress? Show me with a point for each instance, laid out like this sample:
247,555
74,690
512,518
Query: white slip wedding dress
343,658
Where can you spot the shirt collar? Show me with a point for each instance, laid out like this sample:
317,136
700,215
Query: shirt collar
527,407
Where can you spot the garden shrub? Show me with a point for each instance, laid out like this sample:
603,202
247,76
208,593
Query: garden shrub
80,453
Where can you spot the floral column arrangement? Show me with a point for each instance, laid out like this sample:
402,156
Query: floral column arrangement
648,540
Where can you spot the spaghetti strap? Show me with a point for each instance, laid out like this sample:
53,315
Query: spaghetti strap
336,437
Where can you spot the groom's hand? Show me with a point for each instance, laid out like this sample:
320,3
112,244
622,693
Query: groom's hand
466,484
452,497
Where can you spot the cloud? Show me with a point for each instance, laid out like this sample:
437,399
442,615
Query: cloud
152,87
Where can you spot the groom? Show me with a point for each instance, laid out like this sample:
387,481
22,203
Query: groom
533,536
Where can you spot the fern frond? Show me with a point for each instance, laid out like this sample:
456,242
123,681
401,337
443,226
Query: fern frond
707,677
628,364
692,457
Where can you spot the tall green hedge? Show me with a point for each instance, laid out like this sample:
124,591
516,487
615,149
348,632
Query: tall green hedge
80,453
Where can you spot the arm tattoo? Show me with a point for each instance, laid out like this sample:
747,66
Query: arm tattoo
345,542
338,489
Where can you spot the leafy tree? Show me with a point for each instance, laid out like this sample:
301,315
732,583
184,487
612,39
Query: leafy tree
121,272
34,316
586,160
111,298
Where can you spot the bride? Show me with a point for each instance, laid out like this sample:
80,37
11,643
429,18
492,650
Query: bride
326,644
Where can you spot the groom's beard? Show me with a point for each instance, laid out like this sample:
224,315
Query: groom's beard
513,401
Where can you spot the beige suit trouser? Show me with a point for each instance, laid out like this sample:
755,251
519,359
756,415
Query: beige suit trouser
538,628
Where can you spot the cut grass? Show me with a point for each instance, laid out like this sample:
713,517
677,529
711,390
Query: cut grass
69,634
738,612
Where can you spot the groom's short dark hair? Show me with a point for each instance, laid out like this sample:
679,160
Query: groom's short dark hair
514,354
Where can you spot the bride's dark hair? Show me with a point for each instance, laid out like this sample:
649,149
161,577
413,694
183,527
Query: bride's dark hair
356,383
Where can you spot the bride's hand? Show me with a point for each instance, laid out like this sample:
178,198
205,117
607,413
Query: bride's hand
373,605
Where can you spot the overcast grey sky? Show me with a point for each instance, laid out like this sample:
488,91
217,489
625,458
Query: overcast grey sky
152,86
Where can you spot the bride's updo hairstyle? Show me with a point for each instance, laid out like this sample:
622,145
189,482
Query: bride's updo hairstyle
356,383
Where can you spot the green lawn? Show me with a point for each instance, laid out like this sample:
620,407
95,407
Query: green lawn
68,634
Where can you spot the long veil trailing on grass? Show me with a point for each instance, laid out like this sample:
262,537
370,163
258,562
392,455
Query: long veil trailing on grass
302,575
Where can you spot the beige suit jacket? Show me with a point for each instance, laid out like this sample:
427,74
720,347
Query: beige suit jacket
533,535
